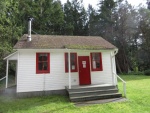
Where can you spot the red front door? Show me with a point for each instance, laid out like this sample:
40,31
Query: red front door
84,70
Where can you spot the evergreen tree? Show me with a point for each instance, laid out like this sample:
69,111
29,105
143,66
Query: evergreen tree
93,20
148,4
106,21
75,20
10,30
68,18
144,28
48,15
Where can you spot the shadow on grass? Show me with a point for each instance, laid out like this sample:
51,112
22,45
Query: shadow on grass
51,103
134,77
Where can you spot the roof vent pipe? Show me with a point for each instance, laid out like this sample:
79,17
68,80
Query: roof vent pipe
29,29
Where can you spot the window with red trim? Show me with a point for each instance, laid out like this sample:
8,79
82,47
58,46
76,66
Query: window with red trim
96,62
73,62
42,63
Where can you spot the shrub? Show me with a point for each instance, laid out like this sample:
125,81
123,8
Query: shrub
136,73
147,72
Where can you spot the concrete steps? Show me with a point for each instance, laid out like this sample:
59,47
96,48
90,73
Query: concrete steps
79,94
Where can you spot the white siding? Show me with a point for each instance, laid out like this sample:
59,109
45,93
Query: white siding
28,80
104,76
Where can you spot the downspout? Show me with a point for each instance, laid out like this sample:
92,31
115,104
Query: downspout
113,66
113,59
115,52
115,74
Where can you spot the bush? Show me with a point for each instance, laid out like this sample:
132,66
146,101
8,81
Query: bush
136,73
147,72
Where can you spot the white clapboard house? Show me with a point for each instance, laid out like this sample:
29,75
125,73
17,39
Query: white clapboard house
84,66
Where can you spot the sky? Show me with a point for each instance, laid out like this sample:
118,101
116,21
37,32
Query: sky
94,2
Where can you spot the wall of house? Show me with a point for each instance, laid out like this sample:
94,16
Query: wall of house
28,80
104,76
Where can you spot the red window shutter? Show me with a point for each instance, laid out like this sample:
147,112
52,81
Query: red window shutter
66,62
76,69
101,67
91,62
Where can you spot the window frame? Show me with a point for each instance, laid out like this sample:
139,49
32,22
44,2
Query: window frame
48,64
100,60
66,63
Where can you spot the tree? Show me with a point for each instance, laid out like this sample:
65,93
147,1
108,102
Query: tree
105,20
48,19
75,20
9,29
48,15
68,19
144,27
93,20
148,4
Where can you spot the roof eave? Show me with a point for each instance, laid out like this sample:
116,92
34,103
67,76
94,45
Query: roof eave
10,55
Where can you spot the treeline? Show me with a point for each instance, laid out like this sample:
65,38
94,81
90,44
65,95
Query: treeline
125,26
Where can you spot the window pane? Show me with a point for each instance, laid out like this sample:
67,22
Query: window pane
72,56
97,56
95,60
72,65
45,65
94,64
40,65
44,58
40,57
73,61
97,64
93,56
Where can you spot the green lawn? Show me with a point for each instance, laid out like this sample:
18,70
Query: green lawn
138,94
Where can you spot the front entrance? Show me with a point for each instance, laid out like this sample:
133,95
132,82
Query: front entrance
84,70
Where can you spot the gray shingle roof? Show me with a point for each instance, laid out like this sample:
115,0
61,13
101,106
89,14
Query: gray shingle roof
61,42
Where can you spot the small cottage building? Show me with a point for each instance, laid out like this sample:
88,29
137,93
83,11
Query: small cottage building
48,64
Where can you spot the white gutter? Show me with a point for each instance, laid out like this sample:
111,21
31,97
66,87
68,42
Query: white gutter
115,52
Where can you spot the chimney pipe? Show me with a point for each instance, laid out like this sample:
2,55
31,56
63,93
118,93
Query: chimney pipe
29,29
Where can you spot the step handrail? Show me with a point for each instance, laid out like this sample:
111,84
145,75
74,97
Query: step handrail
2,78
124,85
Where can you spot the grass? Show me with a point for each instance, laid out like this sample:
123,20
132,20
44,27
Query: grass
138,94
